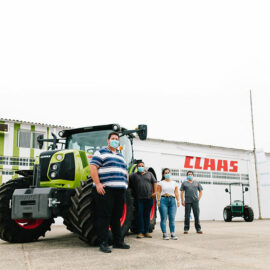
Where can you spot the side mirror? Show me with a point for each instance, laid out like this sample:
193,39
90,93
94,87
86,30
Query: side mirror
142,132
226,190
40,141
54,142
246,188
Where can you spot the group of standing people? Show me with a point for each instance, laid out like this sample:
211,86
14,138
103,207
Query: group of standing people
111,179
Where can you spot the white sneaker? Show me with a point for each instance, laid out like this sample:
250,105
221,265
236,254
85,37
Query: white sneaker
173,237
165,237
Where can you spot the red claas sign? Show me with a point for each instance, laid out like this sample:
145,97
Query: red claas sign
211,164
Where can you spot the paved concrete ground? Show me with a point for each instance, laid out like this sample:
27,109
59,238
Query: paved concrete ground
235,245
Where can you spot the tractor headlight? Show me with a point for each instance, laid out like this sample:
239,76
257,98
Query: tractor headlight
53,174
54,167
59,157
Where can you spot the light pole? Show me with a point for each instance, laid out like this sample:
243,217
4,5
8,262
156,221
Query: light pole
255,158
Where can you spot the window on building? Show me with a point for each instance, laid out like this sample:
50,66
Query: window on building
24,138
7,172
14,161
3,128
175,172
244,176
4,160
23,161
31,161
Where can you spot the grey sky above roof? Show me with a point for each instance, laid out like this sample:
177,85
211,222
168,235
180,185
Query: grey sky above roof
184,68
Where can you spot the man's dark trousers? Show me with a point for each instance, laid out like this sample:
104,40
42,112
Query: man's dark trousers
144,210
109,210
196,211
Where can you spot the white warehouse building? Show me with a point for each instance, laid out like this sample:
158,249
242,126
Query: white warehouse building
214,167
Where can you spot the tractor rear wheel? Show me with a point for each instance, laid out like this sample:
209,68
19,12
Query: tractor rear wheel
20,230
227,214
81,214
248,214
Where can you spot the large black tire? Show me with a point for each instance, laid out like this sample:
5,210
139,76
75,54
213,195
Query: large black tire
248,214
153,216
227,215
81,214
16,232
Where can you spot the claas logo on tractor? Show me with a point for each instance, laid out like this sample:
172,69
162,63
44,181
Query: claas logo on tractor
60,184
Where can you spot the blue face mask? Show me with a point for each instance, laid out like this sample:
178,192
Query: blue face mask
190,177
114,143
140,169
167,176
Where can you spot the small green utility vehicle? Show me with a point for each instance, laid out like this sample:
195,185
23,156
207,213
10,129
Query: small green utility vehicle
237,208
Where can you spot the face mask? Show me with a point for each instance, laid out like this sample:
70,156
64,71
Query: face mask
167,176
114,143
190,177
140,169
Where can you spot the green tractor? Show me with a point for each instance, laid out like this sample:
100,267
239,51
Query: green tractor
238,208
60,185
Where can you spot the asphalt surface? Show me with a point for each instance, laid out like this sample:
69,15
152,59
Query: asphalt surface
234,245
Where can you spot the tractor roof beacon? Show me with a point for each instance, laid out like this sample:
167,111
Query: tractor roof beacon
237,208
60,185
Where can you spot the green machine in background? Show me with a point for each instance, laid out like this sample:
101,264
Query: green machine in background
60,185
238,208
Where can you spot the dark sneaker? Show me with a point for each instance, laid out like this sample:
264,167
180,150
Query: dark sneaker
104,248
121,246
200,232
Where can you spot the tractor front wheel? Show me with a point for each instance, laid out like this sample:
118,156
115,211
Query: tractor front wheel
19,230
227,215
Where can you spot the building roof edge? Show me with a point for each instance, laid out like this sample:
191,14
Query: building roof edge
32,123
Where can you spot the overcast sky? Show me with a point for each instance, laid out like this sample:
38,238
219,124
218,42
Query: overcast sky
184,68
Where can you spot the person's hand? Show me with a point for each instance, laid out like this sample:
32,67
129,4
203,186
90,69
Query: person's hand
183,203
100,189
178,204
158,203
153,195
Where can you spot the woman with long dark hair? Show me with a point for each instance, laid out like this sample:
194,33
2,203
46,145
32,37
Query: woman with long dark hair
167,191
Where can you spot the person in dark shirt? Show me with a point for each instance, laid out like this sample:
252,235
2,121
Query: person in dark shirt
191,189
145,186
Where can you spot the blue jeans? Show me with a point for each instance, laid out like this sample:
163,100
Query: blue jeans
144,211
167,208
